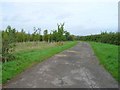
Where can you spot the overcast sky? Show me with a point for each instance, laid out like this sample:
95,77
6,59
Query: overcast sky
81,17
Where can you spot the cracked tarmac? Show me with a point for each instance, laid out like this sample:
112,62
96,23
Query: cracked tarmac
76,67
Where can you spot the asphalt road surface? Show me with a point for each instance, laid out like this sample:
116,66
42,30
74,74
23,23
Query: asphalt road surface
76,67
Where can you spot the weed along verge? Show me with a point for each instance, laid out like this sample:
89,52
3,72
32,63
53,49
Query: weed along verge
25,59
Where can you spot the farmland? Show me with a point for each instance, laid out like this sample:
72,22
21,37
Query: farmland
21,50
68,66
29,54
59,44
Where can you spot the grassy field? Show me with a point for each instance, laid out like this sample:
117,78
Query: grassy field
28,54
108,57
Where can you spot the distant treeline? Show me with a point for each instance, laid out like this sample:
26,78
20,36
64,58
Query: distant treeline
104,37
21,36
10,36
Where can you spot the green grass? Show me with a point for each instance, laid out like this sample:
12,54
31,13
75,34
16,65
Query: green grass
108,57
27,58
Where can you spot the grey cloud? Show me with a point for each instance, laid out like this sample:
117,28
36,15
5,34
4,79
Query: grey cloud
79,18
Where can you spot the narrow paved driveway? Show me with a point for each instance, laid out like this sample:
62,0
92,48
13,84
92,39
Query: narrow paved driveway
77,67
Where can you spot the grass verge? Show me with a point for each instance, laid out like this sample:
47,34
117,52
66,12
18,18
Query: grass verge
108,57
28,58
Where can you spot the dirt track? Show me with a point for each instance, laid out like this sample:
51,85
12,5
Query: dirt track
77,67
